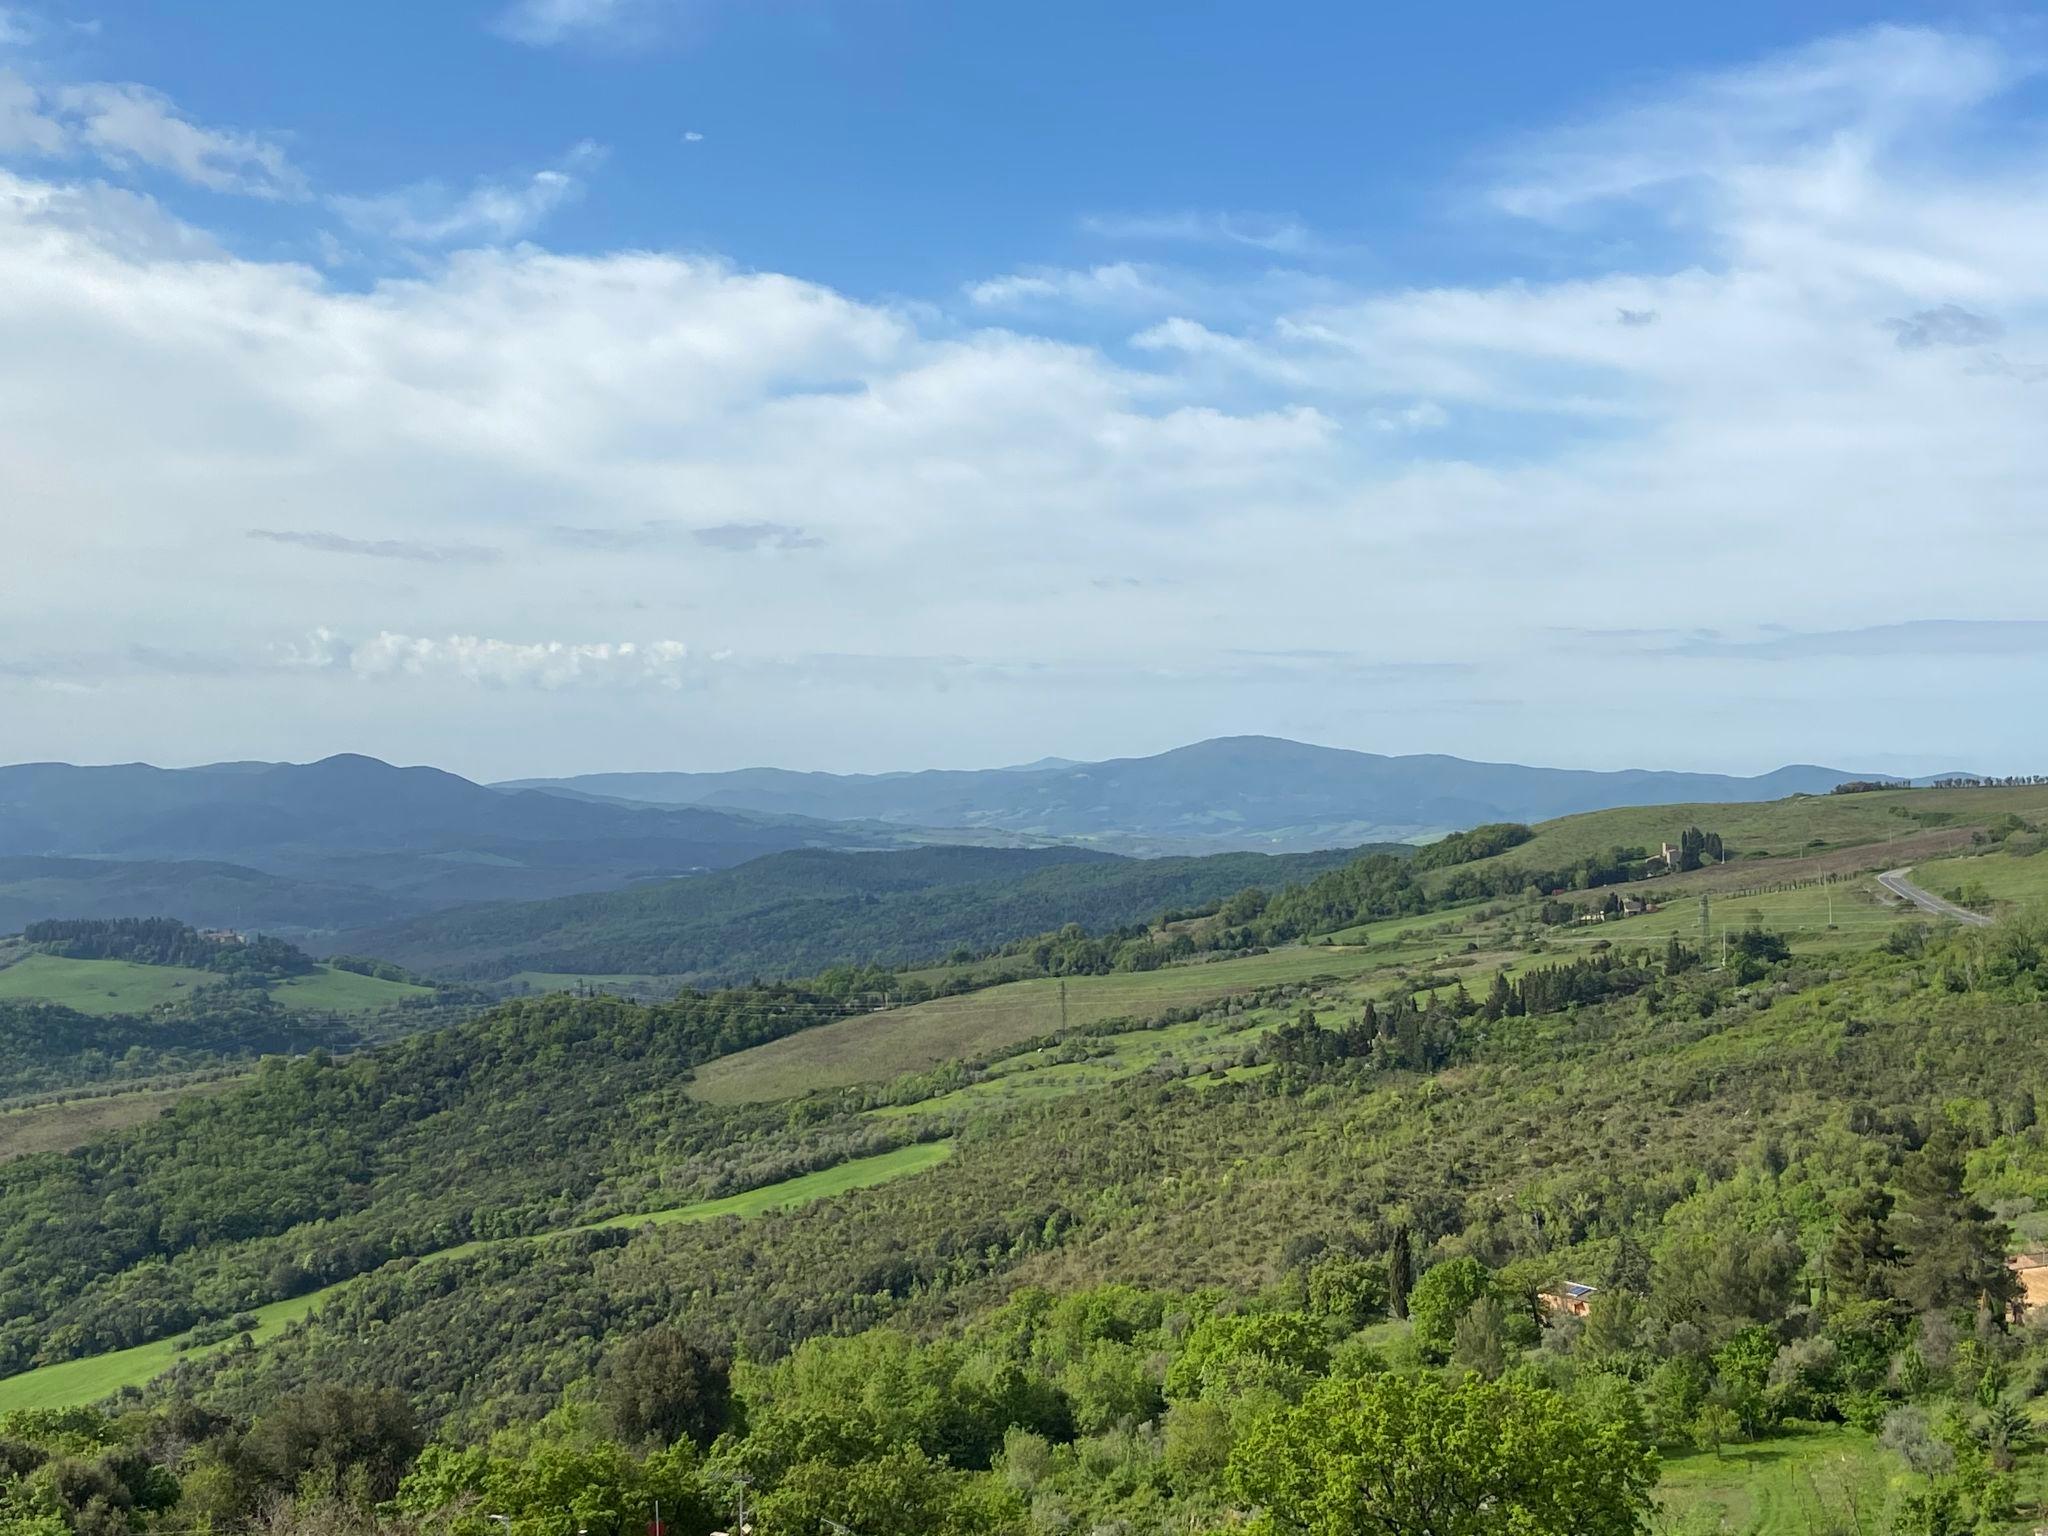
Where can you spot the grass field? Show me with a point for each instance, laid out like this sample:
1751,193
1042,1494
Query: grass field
2013,882
1037,1075
1859,919
880,1046
861,1173
1789,1486
60,1127
330,991
103,987
1776,827
75,1382
99,987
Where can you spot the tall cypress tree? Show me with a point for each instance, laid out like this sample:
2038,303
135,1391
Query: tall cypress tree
1953,1251
1400,1271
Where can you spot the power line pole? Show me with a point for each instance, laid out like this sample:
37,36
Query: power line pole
1063,1005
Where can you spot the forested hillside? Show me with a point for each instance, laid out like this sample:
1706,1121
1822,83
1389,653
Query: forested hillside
795,913
1576,1221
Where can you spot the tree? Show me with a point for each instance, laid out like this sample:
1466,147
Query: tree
661,1387
1400,1267
1953,1250
344,1439
1352,1291
1861,1256
1280,1350
903,1493
1713,1426
1440,1299
1424,1457
1480,1341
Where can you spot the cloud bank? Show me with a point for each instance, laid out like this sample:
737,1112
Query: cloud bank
1050,510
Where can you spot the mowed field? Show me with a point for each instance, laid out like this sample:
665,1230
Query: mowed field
330,991
75,1382
1822,1480
104,987
879,1046
1778,827
1849,914
99,987
2011,882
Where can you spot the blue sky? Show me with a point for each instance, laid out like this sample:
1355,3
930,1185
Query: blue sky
577,384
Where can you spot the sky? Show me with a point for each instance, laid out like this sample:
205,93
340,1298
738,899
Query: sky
547,386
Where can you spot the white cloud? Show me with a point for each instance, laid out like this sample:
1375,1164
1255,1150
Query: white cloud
1842,99
126,125
492,210
17,28
1281,236
1428,479
1115,285
545,664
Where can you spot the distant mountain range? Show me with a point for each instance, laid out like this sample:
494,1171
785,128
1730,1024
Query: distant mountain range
1253,793
350,843
347,841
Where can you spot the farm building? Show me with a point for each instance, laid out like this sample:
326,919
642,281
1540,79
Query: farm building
2031,1270
1570,1299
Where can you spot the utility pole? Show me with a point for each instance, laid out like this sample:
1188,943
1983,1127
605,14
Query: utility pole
1063,1005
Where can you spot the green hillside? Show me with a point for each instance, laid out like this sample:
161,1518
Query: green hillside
1250,1188
99,987
1777,828
797,913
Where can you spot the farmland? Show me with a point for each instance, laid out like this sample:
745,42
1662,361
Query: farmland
100,987
879,1046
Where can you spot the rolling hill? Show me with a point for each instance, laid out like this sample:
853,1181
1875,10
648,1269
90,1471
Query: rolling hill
795,913
304,848
1238,792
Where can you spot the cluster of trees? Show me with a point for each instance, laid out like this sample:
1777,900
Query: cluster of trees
1114,1407
1697,848
320,1168
166,941
1481,842
46,1048
1407,1034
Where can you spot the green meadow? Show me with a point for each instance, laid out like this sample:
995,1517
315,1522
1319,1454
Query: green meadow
880,1046
99,987
105,987
330,991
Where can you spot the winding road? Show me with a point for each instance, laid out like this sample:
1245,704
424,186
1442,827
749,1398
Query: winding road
1895,881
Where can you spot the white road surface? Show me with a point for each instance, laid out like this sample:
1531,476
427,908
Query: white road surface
1895,881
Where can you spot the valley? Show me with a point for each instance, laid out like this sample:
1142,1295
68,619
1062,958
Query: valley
1221,1102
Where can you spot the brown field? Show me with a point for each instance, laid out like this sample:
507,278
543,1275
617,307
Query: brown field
59,1127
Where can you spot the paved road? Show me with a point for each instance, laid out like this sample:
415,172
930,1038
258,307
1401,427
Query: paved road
1895,881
